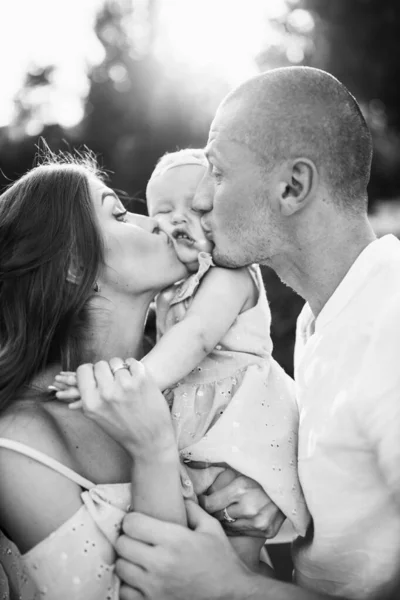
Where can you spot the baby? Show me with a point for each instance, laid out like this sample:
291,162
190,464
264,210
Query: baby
231,403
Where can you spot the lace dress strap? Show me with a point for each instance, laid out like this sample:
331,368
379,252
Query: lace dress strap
188,287
46,460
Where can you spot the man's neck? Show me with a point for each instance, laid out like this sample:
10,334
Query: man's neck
316,269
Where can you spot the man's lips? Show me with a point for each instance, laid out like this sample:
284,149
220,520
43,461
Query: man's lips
208,233
206,229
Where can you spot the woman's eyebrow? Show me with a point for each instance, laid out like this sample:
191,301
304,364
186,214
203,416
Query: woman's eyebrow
108,193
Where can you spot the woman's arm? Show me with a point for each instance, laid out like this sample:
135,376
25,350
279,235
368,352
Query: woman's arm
128,405
156,485
222,295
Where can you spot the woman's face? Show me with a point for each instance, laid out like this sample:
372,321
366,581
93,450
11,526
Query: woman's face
138,256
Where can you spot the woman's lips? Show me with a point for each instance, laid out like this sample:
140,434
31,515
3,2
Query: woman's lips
165,235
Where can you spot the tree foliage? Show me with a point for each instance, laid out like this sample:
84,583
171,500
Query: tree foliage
138,108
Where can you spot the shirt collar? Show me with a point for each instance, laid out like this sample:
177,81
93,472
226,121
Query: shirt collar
376,253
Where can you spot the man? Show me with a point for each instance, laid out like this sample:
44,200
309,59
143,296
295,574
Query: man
289,162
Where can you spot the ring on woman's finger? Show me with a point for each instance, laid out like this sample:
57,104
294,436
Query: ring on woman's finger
122,366
227,517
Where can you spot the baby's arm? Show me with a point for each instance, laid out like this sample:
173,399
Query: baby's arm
222,295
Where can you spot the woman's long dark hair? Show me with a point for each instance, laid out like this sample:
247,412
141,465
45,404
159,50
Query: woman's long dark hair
51,252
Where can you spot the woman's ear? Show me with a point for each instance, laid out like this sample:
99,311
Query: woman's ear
298,187
72,277
74,272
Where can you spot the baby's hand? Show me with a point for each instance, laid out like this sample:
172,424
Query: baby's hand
66,388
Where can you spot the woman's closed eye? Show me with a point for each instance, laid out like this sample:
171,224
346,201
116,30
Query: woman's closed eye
121,216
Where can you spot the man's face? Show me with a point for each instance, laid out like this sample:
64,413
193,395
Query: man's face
234,196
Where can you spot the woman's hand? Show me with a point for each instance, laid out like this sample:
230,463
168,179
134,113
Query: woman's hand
245,501
124,400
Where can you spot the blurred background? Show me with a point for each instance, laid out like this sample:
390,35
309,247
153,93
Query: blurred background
132,79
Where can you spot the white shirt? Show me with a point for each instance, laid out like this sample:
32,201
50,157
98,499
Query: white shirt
347,372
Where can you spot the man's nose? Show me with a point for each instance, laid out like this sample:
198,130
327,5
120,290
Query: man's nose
203,200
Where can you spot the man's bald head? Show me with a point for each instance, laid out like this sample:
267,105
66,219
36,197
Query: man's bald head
303,112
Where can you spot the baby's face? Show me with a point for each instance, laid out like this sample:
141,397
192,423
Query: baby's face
169,200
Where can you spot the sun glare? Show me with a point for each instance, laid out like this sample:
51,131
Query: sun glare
199,42
220,38
42,33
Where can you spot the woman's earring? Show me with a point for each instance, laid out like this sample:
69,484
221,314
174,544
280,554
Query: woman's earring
96,287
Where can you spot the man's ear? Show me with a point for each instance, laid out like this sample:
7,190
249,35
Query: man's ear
298,185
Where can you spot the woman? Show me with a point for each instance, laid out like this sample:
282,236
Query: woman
77,275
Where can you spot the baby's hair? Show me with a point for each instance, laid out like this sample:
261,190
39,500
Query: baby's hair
187,156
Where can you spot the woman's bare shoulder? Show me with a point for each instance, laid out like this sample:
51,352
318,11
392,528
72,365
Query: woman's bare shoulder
34,499
31,423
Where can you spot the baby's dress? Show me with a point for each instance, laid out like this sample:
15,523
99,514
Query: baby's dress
75,562
237,407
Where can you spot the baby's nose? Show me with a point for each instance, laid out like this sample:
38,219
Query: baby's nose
178,217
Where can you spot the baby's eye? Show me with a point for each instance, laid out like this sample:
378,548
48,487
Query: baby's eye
121,216
163,211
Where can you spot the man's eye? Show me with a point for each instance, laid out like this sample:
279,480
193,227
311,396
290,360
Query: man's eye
215,173
121,216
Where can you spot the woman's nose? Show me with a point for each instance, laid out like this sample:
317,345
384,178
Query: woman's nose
147,223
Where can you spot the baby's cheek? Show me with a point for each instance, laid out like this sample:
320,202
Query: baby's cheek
205,245
164,223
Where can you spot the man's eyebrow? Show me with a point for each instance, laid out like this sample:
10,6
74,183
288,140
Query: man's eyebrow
108,193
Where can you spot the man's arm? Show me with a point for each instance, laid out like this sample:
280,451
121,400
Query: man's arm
164,561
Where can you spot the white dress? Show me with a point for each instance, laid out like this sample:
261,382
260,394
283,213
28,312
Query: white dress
75,562
237,407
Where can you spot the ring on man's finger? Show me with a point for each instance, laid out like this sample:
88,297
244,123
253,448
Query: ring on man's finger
122,366
227,517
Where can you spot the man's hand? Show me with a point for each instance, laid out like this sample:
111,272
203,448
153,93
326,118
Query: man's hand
163,561
255,513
